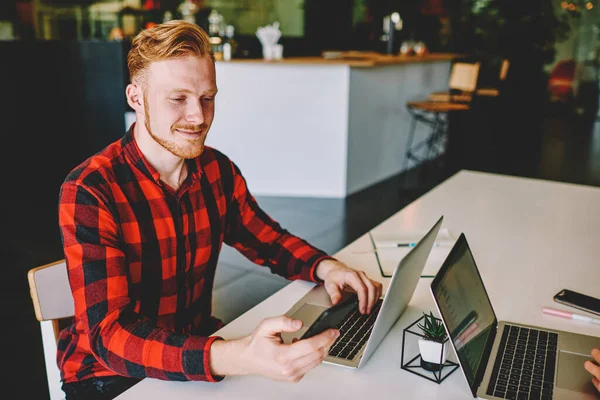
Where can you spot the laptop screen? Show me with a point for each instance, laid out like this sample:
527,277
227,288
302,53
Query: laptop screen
466,310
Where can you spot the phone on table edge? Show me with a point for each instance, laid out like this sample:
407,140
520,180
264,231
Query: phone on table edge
578,300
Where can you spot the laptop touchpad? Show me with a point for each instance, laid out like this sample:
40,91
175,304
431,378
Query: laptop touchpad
308,313
572,375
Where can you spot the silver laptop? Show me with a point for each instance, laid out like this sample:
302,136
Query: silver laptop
504,360
361,334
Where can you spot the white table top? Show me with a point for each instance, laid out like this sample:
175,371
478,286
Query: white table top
530,239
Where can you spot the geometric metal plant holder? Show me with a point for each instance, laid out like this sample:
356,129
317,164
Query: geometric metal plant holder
414,365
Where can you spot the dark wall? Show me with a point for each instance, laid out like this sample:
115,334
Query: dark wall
328,25
8,10
63,101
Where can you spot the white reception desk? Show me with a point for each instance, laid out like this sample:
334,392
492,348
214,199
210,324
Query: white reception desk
320,128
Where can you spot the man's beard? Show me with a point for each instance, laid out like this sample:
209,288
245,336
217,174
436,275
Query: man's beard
192,150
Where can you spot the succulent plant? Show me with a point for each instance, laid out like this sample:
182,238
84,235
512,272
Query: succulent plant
432,328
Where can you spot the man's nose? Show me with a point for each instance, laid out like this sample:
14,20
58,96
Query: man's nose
194,113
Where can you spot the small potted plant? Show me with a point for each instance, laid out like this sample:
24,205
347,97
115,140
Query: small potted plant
433,347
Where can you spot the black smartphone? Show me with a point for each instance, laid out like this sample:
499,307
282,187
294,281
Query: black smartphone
331,317
578,300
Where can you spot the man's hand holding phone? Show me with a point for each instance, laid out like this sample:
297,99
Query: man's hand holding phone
264,353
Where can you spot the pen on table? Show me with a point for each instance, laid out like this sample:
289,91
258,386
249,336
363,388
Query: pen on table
391,246
570,315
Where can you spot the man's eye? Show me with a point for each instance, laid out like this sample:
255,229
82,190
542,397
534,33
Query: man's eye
208,99
178,99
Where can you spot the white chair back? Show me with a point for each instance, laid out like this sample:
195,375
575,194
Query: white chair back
463,76
49,284
504,69
52,300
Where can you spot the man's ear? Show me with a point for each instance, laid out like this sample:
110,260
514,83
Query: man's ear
133,92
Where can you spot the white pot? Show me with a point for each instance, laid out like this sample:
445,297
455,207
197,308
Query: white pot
431,351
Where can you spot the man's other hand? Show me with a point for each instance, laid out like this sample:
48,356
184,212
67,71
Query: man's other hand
594,369
337,276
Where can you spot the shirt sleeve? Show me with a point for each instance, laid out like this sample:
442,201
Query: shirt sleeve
120,339
263,241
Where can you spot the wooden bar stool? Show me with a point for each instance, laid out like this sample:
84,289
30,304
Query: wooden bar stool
434,112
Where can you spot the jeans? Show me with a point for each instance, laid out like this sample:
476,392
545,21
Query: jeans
102,388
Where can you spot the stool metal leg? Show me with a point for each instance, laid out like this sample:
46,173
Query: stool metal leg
408,154
443,135
433,138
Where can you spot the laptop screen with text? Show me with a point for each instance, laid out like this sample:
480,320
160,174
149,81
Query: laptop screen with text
466,310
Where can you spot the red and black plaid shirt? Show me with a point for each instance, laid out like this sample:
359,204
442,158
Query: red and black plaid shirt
141,261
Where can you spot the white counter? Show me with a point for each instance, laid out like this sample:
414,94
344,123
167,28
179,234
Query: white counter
307,127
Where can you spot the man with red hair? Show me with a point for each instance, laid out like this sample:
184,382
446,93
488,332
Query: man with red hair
142,223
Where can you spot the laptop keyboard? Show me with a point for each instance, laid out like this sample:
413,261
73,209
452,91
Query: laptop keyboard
355,330
524,367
